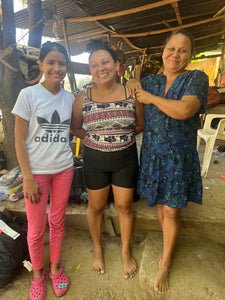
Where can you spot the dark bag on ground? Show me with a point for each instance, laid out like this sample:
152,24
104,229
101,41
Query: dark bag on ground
78,192
13,248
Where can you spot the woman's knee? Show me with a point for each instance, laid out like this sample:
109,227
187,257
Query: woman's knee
95,209
97,200
124,208
171,213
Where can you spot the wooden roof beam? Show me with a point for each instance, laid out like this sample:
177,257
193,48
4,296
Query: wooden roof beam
112,30
177,12
205,46
193,58
79,39
84,12
209,35
122,13
128,29
220,12
166,24
86,34
196,39
131,44
131,51
170,29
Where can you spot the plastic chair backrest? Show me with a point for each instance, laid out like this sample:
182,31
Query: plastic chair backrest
220,130
208,121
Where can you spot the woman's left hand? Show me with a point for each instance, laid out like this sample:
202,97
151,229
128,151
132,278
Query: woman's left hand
143,96
133,85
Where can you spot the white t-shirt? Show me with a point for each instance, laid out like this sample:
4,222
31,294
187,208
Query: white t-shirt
49,118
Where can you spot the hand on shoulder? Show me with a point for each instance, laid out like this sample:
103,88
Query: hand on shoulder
133,85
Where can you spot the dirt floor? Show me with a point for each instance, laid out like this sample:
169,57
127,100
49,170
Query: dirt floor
198,269
86,285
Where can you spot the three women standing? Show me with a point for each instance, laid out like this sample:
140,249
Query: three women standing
170,172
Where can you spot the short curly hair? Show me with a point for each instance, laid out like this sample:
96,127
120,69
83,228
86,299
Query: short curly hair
97,44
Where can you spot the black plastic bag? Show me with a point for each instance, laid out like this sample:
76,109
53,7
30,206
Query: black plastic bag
78,192
13,251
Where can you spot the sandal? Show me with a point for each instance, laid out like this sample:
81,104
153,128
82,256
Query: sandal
38,287
60,282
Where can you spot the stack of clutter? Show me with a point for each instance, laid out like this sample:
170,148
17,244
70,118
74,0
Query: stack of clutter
11,185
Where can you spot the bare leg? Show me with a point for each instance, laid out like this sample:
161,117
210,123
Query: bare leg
123,198
159,210
97,200
171,229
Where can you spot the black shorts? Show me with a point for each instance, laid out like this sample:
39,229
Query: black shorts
119,168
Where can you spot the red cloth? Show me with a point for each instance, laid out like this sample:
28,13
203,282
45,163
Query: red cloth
215,96
222,84
121,71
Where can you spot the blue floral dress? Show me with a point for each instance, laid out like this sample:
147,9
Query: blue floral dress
170,169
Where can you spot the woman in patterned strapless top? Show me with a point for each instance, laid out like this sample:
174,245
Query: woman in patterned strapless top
111,117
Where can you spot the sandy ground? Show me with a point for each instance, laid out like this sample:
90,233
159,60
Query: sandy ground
198,269
85,284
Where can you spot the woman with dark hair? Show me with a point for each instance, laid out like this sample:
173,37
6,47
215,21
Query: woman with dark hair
170,172
110,155
43,113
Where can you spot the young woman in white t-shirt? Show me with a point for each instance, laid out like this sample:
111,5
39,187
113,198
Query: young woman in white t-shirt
43,114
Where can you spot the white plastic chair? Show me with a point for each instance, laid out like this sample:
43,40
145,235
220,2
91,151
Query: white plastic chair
210,135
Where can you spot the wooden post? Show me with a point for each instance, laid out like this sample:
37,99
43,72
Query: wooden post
221,69
143,59
70,74
137,74
222,64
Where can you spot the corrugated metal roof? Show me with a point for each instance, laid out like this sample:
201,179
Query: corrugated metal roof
159,22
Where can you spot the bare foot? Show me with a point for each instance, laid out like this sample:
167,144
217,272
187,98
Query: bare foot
161,283
97,263
129,265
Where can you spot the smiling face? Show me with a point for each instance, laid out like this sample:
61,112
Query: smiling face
177,54
102,66
54,67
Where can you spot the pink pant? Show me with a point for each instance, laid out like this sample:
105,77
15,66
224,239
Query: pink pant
59,185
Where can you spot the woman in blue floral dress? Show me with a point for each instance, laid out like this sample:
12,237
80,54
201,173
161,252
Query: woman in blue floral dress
170,170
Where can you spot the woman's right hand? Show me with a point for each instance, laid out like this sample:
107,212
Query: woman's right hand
32,190
133,85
